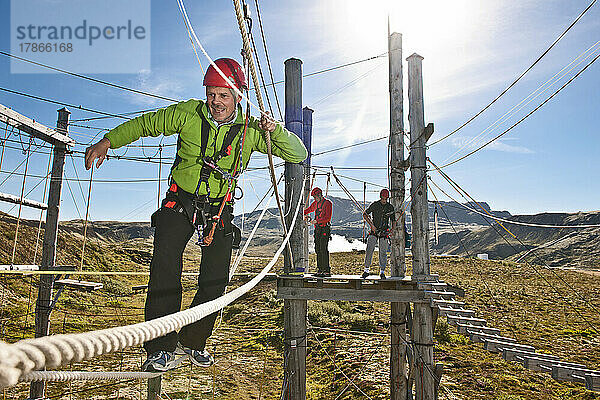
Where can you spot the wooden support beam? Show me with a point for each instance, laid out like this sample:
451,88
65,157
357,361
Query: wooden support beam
545,365
154,388
479,337
466,328
398,310
518,355
418,167
497,346
440,295
445,311
438,372
29,126
404,296
447,303
294,310
592,382
294,173
42,307
428,131
571,374
458,291
433,286
9,198
79,285
456,319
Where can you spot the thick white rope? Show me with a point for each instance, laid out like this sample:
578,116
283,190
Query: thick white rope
28,355
65,376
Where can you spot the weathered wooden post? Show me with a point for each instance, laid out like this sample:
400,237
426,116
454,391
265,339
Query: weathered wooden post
422,327
307,139
294,310
42,306
398,368
154,388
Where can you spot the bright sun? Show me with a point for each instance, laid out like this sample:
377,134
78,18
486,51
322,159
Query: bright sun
358,26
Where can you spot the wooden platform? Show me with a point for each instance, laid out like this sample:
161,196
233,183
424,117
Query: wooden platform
350,288
79,285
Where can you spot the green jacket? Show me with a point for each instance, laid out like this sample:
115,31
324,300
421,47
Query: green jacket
184,119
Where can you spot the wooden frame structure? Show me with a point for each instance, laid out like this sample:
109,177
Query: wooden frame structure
411,359
60,140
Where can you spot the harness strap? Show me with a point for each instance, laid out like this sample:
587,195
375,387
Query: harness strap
225,150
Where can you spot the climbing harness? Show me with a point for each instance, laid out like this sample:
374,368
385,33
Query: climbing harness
318,212
201,205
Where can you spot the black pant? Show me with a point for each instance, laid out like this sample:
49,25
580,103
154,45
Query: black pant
173,231
322,236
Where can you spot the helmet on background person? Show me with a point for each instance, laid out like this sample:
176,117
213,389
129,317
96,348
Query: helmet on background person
231,69
384,193
316,192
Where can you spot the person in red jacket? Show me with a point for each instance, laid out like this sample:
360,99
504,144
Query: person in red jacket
322,208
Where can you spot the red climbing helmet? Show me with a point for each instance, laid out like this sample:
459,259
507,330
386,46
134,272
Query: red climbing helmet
232,70
316,192
384,193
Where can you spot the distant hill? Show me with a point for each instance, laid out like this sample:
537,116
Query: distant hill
347,219
556,247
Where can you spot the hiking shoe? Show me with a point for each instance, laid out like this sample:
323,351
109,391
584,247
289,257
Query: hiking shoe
201,358
382,275
365,275
161,361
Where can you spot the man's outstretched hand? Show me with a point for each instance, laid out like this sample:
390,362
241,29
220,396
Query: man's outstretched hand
98,151
267,123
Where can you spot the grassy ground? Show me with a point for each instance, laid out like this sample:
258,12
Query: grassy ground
555,311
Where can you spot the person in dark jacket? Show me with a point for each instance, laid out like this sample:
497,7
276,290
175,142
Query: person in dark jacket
322,208
383,213
215,141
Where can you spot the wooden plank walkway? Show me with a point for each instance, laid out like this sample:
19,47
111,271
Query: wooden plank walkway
79,285
443,295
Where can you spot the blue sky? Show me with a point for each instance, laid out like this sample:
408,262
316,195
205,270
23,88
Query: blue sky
471,50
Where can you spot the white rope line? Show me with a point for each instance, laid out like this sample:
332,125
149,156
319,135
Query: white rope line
65,376
53,351
238,260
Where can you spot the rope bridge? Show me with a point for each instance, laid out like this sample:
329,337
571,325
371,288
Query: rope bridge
20,359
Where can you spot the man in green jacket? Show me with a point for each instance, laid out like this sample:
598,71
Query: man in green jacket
214,145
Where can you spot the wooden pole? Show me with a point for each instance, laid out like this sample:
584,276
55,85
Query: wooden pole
307,139
154,388
293,172
418,138
398,364
294,310
42,307
422,330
